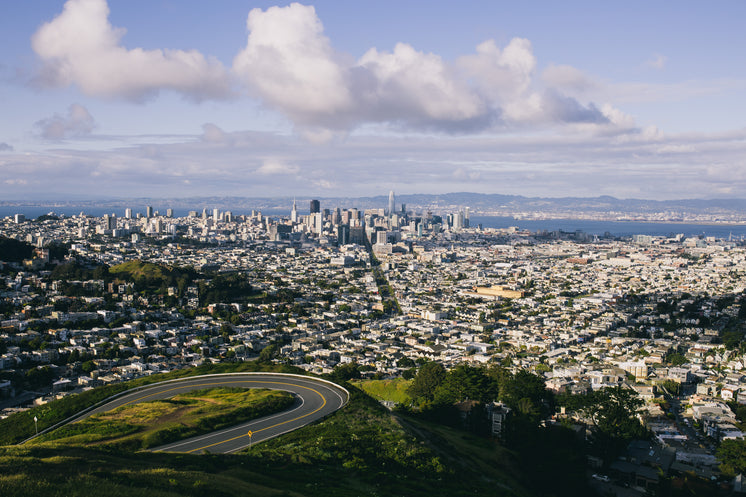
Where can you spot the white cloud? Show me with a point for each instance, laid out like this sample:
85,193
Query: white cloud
413,86
213,134
77,123
500,75
617,117
275,167
324,184
81,47
658,61
567,79
462,173
291,65
570,161
676,149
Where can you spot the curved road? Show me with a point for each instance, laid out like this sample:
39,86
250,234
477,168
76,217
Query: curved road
315,399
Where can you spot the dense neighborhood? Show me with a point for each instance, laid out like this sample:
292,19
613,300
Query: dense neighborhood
89,301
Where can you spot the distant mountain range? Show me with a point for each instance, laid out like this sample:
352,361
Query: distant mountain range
603,207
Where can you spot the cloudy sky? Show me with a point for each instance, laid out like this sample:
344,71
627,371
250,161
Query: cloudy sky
171,98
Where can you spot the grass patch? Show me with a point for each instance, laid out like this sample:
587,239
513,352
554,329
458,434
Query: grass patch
20,426
149,424
392,390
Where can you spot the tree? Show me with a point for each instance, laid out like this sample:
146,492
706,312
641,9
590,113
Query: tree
523,384
39,377
408,374
676,359
428,379
732,457
405,362
466,382
613,411
269,352
345,372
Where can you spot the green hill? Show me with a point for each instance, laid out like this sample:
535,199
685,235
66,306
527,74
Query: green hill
362,449
150,276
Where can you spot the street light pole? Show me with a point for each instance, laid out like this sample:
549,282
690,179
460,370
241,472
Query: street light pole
36,424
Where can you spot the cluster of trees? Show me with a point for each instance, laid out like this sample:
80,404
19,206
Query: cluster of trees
553,451
732,457
612,413
232,287
13,250
437,391
74,271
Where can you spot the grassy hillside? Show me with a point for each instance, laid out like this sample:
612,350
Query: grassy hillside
20,426
150,424
390,390
361,450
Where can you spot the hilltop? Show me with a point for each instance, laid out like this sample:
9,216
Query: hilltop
362,450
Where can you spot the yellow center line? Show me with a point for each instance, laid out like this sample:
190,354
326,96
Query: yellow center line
238,381
268,427
140,399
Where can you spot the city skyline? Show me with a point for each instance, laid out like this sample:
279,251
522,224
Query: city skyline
114,99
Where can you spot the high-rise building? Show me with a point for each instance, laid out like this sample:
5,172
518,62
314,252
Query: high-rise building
128,213
169,213
392,202
148,211
315,206
294,213
318,223
343,234
110,222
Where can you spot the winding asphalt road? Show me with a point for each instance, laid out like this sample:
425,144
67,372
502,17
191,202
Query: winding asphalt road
315,399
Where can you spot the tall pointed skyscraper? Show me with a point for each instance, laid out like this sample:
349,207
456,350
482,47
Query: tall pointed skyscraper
294,213
392,201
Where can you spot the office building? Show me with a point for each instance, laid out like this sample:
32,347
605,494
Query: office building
315,206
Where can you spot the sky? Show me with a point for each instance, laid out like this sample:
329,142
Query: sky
181,98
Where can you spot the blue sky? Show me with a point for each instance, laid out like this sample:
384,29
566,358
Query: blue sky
181,98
